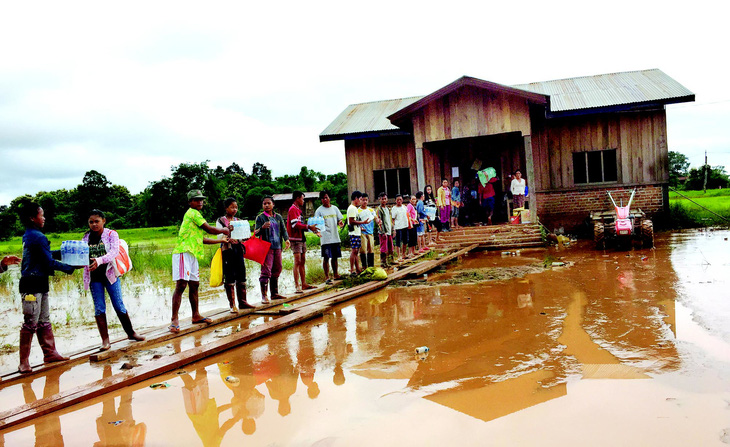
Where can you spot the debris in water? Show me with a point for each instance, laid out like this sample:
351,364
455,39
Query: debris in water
233,380
558,264
180,373
286,305
421,349
157,356
115,422
155,386
127,365
644,258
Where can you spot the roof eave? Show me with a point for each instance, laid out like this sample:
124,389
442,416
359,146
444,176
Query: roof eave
636,106
361,135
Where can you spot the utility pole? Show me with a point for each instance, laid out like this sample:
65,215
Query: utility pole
704,186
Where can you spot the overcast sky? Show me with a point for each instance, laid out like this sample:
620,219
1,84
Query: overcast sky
131,89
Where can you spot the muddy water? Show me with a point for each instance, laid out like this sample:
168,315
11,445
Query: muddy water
627,348
147,297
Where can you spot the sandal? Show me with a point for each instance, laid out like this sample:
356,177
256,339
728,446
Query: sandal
174,328
308,287
205,320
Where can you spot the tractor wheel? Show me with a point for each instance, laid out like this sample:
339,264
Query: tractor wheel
647,233
599,236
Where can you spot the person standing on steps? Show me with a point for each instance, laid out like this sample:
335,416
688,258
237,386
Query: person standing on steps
100,275
37,265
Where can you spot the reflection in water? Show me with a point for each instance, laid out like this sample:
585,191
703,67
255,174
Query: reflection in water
117,427
494,349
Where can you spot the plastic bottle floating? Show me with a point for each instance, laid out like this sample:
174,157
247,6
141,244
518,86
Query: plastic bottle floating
75,253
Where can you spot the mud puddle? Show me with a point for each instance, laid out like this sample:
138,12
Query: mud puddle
625,348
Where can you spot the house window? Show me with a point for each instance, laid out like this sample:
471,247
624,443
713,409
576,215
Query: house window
392,181
595,166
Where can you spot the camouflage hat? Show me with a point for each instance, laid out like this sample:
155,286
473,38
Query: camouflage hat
195,194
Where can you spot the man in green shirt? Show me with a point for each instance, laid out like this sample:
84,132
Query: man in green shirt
185,270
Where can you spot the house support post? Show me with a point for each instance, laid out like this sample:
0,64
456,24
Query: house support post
530,168
420,174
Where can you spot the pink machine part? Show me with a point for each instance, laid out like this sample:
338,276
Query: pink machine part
624,224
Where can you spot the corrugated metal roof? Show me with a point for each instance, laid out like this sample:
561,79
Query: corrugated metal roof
588,92
607,90
367,117
287,196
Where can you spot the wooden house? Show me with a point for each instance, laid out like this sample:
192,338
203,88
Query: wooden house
282,203
574,139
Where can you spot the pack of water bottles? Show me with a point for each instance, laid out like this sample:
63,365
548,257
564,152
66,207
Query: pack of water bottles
75,253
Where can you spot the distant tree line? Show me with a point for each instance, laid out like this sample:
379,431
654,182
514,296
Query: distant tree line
164,202
681,176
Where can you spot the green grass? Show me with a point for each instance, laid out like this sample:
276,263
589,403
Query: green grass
686,214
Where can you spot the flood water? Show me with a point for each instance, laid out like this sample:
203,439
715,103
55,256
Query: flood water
147,297
616,348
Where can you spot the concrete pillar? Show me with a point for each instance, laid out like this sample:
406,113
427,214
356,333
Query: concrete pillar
530,168
420,174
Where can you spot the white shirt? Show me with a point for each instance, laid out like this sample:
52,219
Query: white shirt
518,187
400,217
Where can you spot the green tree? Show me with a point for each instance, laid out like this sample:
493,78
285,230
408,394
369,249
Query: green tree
716,178
678,167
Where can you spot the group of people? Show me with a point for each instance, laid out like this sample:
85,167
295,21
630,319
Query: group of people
408,227
38,262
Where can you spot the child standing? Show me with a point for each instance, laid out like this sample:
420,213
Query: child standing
185,255
100,276
434,225
271,227
455,203
296,228
443,201
367,241
412,225
385,230
353,226
234,267
400,224
422,218
36,266
330,237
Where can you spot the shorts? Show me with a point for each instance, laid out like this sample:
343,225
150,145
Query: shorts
413,237
185,267
331,251
401,237
454,211
367,243
234,269
298,247
355,242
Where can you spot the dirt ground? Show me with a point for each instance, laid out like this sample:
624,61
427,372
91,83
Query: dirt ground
614,348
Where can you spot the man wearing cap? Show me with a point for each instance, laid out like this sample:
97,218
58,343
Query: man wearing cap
189,248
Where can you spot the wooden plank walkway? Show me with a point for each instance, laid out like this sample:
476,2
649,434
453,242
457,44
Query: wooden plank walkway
300,313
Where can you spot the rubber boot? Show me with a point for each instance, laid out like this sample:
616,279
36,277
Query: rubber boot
26,339
127,326
241,294
264,292
274,286
103,331
48,344
371,259
363,261
230,291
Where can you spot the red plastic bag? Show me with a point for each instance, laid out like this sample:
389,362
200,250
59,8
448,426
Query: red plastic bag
256,249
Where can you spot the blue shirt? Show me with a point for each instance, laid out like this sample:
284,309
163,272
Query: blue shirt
455,195
421,210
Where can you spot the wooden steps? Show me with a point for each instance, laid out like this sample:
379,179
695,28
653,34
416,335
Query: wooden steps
494,237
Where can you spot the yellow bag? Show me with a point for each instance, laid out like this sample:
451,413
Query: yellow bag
216,269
